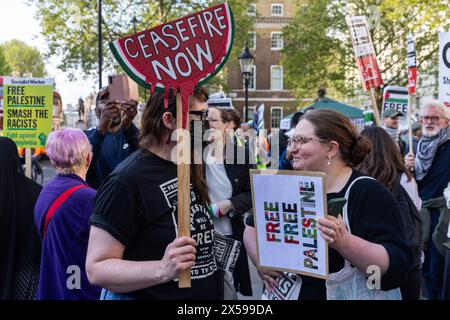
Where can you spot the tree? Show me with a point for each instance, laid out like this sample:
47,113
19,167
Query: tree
318,49
4,67
70,26
22,58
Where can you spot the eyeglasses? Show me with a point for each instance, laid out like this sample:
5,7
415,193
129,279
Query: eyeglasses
214,119
298,141
432,118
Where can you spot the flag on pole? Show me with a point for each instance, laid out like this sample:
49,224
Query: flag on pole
412,65
258,117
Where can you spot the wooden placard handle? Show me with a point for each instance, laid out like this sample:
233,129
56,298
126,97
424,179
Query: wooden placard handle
184,198
374,107
28,162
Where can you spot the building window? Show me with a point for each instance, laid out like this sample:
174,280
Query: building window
277,9
252,40
252,82
276,77
251,111
252,10
277,40
276,113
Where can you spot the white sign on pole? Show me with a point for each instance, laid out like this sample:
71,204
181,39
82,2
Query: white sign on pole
444,67
286,206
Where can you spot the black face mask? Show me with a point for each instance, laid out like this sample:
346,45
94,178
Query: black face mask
197,130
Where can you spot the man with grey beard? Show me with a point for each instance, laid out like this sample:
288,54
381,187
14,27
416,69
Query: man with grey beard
432,171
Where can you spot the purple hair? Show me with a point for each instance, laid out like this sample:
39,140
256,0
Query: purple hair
67,149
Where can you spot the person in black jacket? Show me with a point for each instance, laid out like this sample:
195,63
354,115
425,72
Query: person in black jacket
227,176
20,246
326,141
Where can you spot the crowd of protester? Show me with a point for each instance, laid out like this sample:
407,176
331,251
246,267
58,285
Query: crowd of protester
106,226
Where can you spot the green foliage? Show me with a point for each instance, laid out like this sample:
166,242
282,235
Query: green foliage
21,58
318,49
70,27
4,67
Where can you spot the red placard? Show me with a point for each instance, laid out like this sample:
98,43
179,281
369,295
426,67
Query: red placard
412,78
412,65
179,54
369,71
364,52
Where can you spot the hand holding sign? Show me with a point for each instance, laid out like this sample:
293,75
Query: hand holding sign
129,112
177,56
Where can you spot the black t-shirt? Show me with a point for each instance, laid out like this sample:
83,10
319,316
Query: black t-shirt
374,216
137,204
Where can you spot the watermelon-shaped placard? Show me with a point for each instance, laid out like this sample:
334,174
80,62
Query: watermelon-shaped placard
179,54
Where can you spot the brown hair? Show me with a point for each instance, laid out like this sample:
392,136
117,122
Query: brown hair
233,115
385,161
152,126
333,126
201,93
153,129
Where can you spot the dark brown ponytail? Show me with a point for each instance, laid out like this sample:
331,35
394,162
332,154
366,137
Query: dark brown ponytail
333,126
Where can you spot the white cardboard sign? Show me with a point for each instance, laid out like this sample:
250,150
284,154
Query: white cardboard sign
286,207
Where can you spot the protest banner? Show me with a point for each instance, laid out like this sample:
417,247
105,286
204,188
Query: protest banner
444,67
395,97
288,288
412,82
286,207
366,58
177,56
412,64
28,104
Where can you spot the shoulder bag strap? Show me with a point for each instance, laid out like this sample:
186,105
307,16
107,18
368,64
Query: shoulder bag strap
57,203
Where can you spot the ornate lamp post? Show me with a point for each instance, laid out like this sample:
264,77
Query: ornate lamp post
134,21
246,61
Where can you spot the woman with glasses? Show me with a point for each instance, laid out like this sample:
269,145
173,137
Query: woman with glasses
228,183
326,141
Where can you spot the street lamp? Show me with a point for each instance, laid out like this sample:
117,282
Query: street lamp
246,60
134,21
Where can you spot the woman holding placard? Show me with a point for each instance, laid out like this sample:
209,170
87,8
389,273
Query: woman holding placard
134,250
368,234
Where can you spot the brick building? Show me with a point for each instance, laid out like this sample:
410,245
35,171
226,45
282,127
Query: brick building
267,84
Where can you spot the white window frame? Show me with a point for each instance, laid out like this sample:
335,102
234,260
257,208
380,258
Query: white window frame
276,14
271,116
252,13
271,40
271,77
251,112
251,85
253,35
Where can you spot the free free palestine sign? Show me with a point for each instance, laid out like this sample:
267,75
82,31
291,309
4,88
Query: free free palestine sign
286,206
179,54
